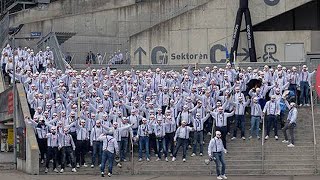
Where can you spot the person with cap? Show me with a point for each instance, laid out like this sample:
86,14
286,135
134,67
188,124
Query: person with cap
291,123
143,135
216,152
53,139
221,120
96,131
170,128
198,124
67,147
256,116
110,148
305,83
81,143
240,107
181,139
272,110
126,133
159,130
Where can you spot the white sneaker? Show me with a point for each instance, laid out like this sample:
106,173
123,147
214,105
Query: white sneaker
290,145
258,137
78,165
84,165
173,159
244,138
224,177
92,166
285,141
158,159
140,159
209,133
250,137
148,159
267,137
46,170
61,170
193,154
201,154
308,105
300,105
167,159
124,160
228,134
233,138
102,174
219,177
184,159
276,137
189,146
109,174
69,165
119,165
42,161
56,170
73,170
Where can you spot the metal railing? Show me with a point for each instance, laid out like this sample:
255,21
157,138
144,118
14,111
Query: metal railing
132,160
52,41
314,133
262,145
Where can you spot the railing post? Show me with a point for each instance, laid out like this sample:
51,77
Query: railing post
314,133
262,145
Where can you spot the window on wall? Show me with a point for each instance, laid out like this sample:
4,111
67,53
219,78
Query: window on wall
305,17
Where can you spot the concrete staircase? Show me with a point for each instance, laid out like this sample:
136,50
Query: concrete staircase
244,156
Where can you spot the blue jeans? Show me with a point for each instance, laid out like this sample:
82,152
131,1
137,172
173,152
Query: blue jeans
220,163
239,124
144,143
272,122
304,96
123,148
96,149
161,145
107,156
198,138
255,121
184,144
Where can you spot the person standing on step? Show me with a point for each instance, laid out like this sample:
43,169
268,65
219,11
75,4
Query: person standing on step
221,119
216,153
291,123
182,137
272,110
96,131
53,143
67,147
256,115
240,107
110,148
143,135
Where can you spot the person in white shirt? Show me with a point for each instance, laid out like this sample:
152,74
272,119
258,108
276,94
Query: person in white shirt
256,115
182,137
143,135
96,131
305,83
110,148
216,152
240,107
291,123
272,110
67,147
198,124
159,130
53,143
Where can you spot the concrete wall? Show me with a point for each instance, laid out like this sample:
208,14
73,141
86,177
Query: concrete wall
204,31
315,41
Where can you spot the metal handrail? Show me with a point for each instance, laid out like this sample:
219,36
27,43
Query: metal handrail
314,133
132,160
262,145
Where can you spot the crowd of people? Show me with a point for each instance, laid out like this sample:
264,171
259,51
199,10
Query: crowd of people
102,110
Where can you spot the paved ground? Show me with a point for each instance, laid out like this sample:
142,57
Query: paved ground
6,157
15,175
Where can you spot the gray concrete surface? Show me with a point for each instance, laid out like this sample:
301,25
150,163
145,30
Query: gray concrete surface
14,175
6,157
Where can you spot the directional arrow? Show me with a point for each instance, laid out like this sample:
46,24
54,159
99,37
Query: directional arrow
246,54
140,51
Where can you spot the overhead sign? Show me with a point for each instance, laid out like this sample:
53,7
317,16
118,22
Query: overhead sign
35,34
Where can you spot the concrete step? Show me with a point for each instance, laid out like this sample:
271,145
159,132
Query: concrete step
286,172
6,166
286,156
203,172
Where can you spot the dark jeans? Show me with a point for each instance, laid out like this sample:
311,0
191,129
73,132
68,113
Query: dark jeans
123,148
304,96
184,144
161,145
96,150
52,154
208,125
291,131
220,163
153,143
144,143
223,130
67,151
272,122
169,141
42,147
239,124
107,156
198,138
81,150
